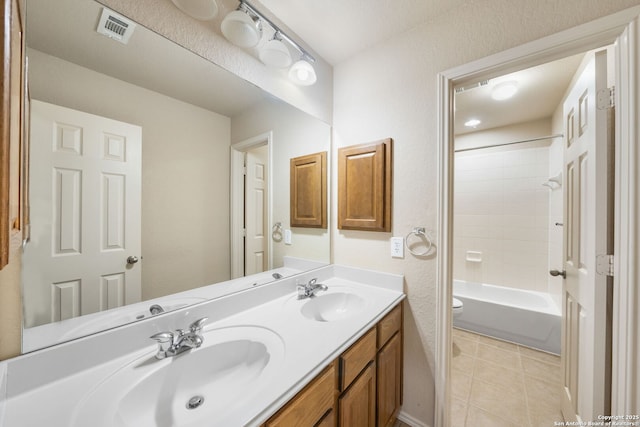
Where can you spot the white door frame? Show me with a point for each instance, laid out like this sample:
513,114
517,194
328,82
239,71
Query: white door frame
624,28
237,199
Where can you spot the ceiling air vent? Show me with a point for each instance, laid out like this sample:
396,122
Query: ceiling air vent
115,26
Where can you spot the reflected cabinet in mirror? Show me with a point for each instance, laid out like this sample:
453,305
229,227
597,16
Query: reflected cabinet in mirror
137,185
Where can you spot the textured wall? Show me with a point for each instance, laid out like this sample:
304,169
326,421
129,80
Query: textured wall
205,39
390,91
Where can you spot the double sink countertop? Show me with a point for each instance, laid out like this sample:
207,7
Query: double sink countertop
260,348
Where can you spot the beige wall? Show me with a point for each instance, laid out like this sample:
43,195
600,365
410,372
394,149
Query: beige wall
294,134
389,90
185,171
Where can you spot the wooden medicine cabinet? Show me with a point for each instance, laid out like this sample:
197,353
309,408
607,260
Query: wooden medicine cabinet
309,191
365,186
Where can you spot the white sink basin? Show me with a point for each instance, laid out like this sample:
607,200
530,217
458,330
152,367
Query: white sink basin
333,306
205,386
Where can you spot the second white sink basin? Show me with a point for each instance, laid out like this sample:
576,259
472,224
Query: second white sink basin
333,306
208,386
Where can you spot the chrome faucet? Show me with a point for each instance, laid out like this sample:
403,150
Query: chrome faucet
310,289
173,343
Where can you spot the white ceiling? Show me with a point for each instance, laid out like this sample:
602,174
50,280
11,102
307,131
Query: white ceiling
338,29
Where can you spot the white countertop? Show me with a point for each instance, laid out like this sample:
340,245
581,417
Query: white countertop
46,387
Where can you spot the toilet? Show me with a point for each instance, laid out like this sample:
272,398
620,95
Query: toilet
457,307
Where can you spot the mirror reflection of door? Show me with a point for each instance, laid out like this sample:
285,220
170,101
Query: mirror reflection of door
85,209
256,248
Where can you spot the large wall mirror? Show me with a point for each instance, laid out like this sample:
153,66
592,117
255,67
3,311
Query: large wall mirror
132,151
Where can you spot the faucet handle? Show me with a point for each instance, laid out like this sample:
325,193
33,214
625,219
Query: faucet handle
196,326
162,337
312,281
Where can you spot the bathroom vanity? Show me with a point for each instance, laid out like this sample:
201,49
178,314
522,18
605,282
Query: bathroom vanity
268,358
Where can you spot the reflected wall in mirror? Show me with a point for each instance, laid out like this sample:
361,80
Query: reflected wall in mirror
130,172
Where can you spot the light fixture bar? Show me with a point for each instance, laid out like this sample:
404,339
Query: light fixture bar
306,55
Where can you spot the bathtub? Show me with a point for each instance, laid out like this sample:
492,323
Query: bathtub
523,317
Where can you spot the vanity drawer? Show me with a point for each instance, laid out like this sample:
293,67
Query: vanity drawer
388,326
356,358
314,405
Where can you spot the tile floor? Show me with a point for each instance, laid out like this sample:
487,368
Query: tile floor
500,384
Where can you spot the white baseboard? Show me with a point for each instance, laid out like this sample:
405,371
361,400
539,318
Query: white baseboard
408,419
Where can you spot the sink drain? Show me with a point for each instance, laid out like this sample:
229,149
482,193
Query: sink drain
195,402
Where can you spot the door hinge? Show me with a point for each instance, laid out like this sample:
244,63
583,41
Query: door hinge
604,265
606,98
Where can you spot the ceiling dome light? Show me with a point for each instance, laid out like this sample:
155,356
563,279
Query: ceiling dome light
504,90
472,123
302,73
204,10
275,54
241,29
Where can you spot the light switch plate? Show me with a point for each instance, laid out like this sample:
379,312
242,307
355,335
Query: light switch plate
397,247
287,237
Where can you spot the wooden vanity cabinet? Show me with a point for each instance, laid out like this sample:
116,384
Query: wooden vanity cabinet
314,406
389,368
361,388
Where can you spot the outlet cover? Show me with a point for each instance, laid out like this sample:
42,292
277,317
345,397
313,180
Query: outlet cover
397,247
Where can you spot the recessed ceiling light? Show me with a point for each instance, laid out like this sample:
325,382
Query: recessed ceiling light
472,123
504,90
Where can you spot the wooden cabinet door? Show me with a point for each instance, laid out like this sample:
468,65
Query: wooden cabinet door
357,406
364,186
313,406
389,378
308,202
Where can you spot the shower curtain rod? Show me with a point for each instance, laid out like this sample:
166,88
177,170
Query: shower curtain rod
510,143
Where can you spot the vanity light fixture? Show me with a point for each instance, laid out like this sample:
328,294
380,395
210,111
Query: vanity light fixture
472,123
275,52
504,90
302,72
242,29
203,10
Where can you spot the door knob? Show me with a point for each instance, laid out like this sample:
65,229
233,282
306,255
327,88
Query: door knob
555,273
132,260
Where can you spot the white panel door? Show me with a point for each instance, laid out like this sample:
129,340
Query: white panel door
256,256
585,347
85,208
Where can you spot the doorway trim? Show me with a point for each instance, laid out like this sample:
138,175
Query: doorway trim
621,28
236,213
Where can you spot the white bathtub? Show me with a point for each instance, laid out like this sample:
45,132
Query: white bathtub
524,317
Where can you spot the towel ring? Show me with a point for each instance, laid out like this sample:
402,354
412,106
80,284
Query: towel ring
422,235
276,232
